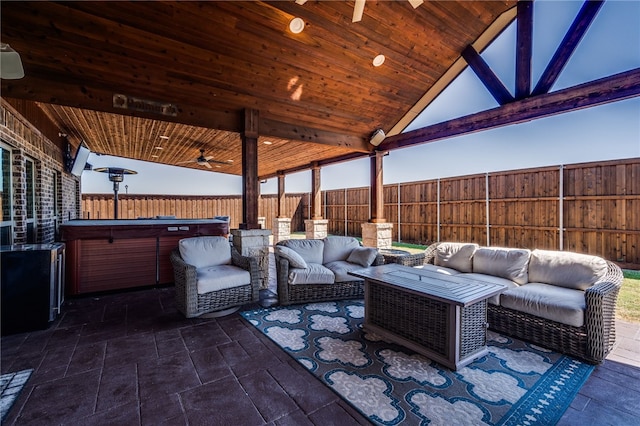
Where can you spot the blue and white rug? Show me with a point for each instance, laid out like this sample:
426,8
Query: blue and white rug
516,384
11,385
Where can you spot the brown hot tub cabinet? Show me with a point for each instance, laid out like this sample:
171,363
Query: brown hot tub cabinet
105,255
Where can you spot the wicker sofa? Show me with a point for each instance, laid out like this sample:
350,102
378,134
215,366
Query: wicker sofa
318,270
560,300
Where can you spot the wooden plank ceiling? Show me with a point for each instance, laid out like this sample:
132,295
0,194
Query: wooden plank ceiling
318,94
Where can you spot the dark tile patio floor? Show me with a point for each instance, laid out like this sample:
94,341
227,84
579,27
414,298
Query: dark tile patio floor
132,359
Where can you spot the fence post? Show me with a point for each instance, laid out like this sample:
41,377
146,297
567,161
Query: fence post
486,191
438,211
345,213
399,235
561,208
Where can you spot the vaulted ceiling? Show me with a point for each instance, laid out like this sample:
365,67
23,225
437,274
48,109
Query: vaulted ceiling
158,81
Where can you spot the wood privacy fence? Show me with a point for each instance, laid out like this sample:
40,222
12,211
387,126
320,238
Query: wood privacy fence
588,208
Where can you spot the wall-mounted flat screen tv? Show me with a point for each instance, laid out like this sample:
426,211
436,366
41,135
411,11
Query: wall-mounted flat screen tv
80,161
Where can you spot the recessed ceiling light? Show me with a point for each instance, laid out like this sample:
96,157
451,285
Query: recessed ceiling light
296,25
158,147
164,137
229,161
154,156
267,143
378,60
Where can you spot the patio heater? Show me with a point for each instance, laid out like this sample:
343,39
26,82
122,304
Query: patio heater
116,175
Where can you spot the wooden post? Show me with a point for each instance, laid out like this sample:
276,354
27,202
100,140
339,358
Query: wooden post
250,184
316,194
281,195
377,188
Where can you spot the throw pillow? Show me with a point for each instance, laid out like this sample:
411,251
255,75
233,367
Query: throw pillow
205,251
364,256
294,258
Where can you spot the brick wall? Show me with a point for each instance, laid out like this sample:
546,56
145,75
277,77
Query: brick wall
52,183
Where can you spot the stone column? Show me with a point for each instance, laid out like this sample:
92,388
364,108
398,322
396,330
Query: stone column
316,228
254,243
377,235
281,229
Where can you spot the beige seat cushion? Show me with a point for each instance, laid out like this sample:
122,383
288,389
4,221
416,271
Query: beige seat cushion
338,248
205,251
566,269
509,263
220,277
341,269
493,280
314,273
560,304
310,250
439,269
456,255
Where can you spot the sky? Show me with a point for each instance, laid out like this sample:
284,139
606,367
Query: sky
609,132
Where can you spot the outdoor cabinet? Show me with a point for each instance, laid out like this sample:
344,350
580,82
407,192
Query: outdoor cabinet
32,286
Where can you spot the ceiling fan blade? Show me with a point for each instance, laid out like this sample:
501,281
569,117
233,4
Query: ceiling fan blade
208,158
207,165
358,10
301,2
218,162
416,3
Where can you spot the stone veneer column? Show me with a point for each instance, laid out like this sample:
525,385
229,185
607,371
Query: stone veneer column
377,235
316,228
281,229
254,243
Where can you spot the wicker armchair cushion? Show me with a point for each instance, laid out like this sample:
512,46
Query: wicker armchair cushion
570,270
314,273
295,260
438,269
338,248
363,256
456,255
508,263
341,268
220,277
205,251
560,304
310,250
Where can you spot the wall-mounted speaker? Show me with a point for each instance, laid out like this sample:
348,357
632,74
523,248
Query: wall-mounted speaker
377,137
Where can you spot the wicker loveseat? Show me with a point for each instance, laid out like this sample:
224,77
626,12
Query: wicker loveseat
318,270
560,300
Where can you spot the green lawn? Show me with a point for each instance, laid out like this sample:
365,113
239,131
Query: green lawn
629,297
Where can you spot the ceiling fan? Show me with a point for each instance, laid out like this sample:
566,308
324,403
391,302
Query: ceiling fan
358,8
205,161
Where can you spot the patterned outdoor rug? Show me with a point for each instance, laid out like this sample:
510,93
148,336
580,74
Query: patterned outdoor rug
11,385
517,383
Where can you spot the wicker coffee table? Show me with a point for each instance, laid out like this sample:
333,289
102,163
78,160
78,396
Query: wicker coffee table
440,316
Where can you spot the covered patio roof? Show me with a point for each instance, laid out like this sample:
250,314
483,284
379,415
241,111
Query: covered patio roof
160,81
119,75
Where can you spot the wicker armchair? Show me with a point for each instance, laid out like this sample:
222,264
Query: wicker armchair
213,303
592,342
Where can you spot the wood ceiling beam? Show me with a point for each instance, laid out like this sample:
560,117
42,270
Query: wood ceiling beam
569,43
618,87
487,76
524,44
73,95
